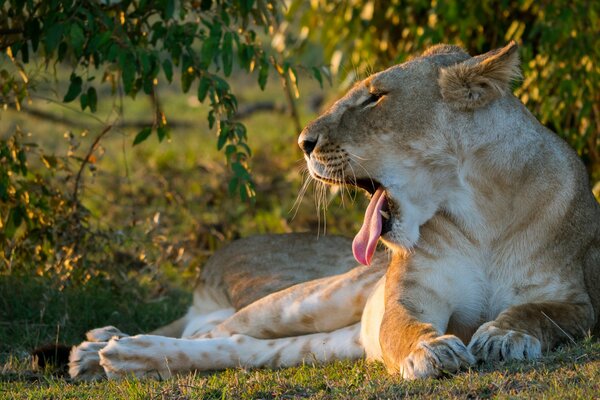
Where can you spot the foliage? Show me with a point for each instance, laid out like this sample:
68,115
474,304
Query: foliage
130,45
42,229
560,47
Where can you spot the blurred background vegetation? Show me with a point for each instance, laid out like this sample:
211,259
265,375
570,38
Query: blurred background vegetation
137,137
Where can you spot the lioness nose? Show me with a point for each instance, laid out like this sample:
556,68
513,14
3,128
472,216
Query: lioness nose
307,146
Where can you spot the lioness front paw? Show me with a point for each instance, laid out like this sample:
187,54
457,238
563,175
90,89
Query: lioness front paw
134,355
84,361
490,343
434,357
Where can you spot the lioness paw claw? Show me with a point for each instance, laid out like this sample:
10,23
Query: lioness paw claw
435,357
491,343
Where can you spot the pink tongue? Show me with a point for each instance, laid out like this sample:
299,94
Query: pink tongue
365,241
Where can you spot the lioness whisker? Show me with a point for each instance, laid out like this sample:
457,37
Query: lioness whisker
358,157
353,196
364,169
307,180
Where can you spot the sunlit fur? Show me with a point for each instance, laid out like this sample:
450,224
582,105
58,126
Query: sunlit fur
495,234
494,242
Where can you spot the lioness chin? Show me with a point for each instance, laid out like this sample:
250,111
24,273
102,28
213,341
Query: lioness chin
493,231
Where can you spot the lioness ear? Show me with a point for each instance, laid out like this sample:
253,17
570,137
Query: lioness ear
477,81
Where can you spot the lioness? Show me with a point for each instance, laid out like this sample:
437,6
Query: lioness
493,231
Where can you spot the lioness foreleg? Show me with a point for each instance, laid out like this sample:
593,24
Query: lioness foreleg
416,316
322,305
524,331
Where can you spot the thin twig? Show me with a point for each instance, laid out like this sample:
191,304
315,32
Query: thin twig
285,83
86,160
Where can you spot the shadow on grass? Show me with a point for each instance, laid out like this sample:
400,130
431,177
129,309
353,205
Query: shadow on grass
33,312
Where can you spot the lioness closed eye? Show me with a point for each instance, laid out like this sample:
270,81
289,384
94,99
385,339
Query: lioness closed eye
493,231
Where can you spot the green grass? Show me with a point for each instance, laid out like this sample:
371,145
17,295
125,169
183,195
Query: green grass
571,373
164,208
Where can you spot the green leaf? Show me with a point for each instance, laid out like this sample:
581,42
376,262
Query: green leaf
4,184
263,74
203,87
240,171
186,81
168,68
25,53
104,38
221,84
14,220
230,149
145,62
232,186
142,135
240,131
32,30
163,132
128,71
74,89
210,47
77,38
318,76
243,193
53,37
227,53
223,136
205,5
169,9
83,100
22,157
92,99
247,148
211,119
246,6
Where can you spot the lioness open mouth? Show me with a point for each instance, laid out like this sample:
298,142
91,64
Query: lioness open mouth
378,217
377,221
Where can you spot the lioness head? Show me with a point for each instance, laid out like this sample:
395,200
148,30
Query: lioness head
399,134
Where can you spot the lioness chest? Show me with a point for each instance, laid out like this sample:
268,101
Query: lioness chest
474,282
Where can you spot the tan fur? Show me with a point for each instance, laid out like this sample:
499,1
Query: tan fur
493,224
471,85
309,294
495,242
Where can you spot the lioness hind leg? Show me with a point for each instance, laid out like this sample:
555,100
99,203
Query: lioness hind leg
157,356
200,324
104,334
209,308
322,305
523,331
